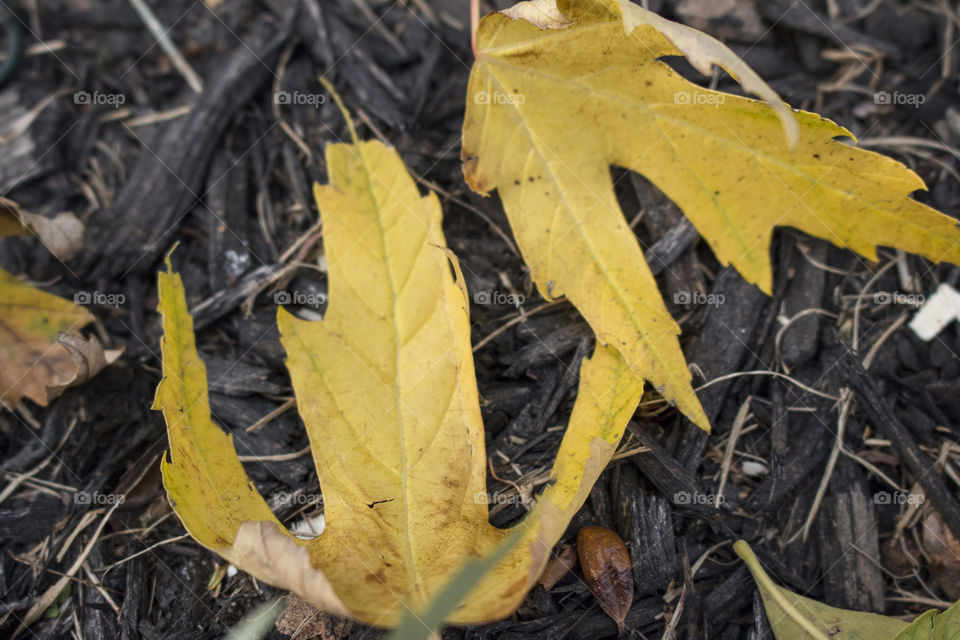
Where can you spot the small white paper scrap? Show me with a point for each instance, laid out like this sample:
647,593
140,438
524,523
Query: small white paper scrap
940,309
309,528
753,469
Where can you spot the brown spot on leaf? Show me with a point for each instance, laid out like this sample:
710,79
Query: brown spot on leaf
379,577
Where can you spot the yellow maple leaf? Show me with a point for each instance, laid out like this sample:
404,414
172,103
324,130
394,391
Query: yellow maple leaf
386,388
560,90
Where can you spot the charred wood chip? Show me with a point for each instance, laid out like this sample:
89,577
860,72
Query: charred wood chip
799,341
675,482
167,180
848,543
652,543
873,403
731,325
238,378
801,18
548,350
805,454
726,599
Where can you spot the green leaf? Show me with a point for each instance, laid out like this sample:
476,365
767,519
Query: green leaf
931,625
794,617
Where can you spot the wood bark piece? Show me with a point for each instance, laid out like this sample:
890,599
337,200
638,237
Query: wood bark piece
809,447
549,349
800,17
799,343
873,403
167,180
227,299
227,221
332,44
678,485
848,543
652,543
733,325
26,153
678,269
670,246
726,599
238,378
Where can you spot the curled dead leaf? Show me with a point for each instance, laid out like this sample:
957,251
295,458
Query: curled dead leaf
606,566
62,234
40,357
278,558
543,13
89,357
704,51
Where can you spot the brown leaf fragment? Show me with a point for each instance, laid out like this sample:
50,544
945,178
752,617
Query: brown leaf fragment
40,355
606,566
301,621
88,355
944,551
62,234
276,558
558,566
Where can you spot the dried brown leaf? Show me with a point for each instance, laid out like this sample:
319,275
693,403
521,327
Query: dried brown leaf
62,234
944,551
606,566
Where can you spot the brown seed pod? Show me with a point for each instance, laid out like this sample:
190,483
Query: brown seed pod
606,566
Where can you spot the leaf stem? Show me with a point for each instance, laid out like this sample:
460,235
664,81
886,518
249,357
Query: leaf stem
343,109
474,21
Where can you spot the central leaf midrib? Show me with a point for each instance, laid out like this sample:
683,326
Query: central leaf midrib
404,487
677,385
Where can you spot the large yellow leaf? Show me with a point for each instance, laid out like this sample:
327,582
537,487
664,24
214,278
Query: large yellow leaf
562,89
386,388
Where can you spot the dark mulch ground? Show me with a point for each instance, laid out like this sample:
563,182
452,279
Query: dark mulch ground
227,174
